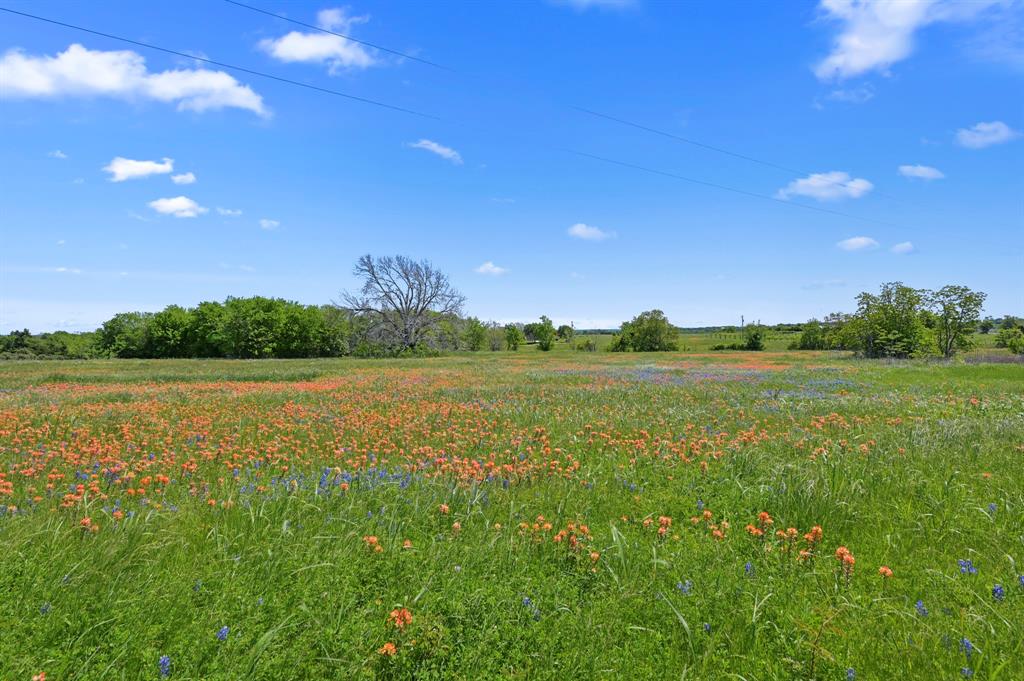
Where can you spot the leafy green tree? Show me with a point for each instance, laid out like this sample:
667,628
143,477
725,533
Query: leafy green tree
168,332
565,332
891,324
126,335
252,326
474,334
206,332
514,336
986,325
1014,340
753,337
545,334
647,332
812,337
956,310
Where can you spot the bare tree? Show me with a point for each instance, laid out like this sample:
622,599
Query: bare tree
402,298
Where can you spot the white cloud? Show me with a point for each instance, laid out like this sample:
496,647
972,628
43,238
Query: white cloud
921,172
122,169
57,153
183,178
123,74
61,242
490,268
589,233
829,186
858,243
903,248
433,147
229,212
876,34
984,135
269,224
323,48
179,207
857,95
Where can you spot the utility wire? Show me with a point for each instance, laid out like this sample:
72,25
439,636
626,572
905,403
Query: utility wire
224,65
340,35
679,138
583,154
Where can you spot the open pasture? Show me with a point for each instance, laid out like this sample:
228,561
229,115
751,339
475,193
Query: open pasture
755,516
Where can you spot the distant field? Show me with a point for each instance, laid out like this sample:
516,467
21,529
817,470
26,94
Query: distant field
525,515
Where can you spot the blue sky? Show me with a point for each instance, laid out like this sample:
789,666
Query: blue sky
905,119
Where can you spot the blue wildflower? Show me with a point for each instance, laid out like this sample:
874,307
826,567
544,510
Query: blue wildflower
850,674
165,665
685,587
967,567
1021,580
998,593
967,647
966,672
700,505
222,633
44,609
748,568
992,508
921,610
707,628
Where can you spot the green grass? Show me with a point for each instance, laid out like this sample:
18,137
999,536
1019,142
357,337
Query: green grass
899,462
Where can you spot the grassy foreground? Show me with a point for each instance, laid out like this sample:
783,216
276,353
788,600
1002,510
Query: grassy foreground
523,516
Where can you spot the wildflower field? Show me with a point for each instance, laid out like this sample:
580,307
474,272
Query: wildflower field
748,516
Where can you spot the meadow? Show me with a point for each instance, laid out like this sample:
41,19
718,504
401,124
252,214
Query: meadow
772,515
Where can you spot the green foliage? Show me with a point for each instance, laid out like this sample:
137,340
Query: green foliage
586,345
474,334
514,336
1012,340
565,332
647,332
955,310
812,337
544,332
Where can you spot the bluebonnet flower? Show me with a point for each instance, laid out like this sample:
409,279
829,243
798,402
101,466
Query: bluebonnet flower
44,609
1021,580
700,505
921,610
850,674
966,672
259,601
967,567
707,628
748,568
533,608
998,593
967,647
165,665
198,585
992,508
222,633
527,602
685,587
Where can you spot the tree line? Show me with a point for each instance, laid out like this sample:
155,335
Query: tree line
406,308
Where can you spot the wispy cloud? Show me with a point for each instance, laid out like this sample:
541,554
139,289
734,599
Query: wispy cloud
57,153
229,212
581,5
444,152
178,206
983,135
875,34
858,243
268,224
324,48
183,178
919,172
491,269
903,248
122,169
589,232
830,186
122,74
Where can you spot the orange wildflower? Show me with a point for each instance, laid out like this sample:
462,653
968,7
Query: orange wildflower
400,618
388,649
885,572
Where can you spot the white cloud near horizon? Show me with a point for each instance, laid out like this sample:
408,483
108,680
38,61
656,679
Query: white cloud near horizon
589,232
433,147
81,72
229,212
268,224
903,248
323,48
121,168
982,135
875,34
491,269
830,186
858,243
184,178
178,206
919,172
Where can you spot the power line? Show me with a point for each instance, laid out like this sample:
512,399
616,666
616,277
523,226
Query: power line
679,138
624,164
340,35
225,65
